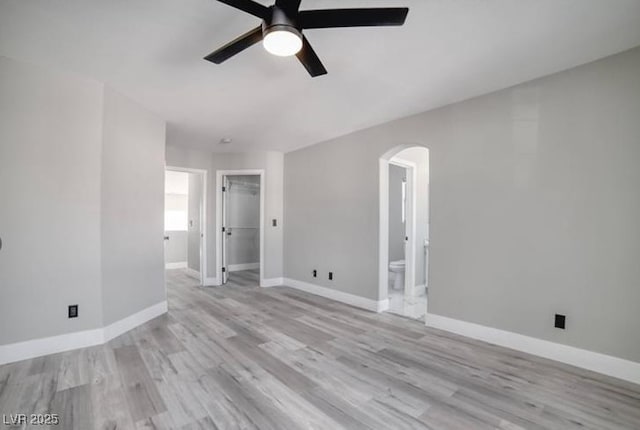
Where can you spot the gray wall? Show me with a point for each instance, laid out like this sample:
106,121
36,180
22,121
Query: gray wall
534,207
176,248
193,239
272,163
81,192
49,202
132,208
396,226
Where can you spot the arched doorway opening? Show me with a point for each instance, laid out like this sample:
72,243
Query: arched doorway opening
404,229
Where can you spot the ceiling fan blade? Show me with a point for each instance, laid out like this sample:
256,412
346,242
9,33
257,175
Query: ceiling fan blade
249,6
289,6
331,18
237,45
310,60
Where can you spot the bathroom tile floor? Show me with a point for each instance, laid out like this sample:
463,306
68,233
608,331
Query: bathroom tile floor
411,307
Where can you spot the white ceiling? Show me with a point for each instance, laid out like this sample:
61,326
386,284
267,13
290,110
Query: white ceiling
448,50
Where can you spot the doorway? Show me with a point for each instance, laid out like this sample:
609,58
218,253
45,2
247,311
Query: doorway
241,227
404,230
185,222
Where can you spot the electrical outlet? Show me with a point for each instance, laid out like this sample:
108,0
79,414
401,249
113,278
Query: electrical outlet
331,276
73,311
560,321
315,273
274,222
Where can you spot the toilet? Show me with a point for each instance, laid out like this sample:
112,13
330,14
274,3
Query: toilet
397,267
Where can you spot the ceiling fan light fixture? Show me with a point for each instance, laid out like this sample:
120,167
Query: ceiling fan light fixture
283,23
283,41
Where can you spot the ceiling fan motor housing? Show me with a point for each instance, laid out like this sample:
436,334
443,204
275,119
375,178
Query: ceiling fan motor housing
278,20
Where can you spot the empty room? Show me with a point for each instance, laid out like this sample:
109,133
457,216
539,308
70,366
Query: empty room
327,214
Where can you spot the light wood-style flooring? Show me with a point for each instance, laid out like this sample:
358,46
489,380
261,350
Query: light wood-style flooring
242,357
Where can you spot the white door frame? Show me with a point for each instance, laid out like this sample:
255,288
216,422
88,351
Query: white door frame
410,227
383,218
224,234
219,237
203,218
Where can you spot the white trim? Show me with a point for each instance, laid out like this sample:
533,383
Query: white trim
81,339
178,265
243,266
132,321
272,282
383,228
224,240
420,290
400,162
50,345
203,218
383,219
595,361
219,178
339,296
211,282
192,273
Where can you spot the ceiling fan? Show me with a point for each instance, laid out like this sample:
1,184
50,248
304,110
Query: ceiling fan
283,23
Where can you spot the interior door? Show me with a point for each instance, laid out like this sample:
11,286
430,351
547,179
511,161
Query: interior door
226,231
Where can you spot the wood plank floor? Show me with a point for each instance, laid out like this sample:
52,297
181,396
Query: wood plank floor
241,357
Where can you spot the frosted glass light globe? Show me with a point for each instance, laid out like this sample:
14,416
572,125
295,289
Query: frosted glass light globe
282,43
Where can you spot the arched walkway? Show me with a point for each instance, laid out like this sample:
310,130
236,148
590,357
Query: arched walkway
416,225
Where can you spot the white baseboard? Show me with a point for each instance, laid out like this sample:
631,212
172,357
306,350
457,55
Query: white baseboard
243,266
50,345
178,265
339,296
132,321
272,282
383,305
211,282
595,361
192,273
420,290
65,342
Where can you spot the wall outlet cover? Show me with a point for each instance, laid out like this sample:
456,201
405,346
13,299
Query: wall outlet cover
73,311
560,321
